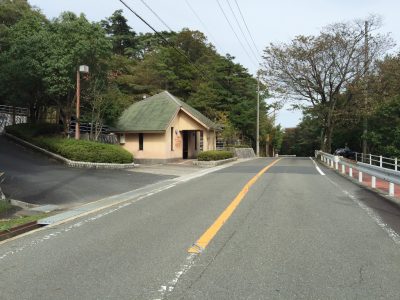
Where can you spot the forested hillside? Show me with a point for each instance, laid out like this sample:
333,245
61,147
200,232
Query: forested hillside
39,59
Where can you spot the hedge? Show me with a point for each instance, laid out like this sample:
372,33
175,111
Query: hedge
214,155
45,137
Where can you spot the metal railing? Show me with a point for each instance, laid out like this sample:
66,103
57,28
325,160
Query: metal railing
20,111
378,160
336,162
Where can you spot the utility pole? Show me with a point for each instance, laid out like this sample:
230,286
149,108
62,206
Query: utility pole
258,115
365,121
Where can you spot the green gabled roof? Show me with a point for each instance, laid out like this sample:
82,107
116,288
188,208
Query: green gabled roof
156,113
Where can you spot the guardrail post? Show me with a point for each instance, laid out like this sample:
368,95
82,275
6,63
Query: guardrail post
373,182
332,163
391,189
350,171
343,169
356,156
381,161
370,159
395,164
360,175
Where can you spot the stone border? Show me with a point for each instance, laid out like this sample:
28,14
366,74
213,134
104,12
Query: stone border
212,163
68,162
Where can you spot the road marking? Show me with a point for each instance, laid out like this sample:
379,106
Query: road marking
318,169
209,234
370,212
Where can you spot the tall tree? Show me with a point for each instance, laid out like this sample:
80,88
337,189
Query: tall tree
123,38
74,41
22,65
317,69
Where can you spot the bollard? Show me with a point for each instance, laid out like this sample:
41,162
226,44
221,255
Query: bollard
360,176
373,182
391,189
351,172
343,169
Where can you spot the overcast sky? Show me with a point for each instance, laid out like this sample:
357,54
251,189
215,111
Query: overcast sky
268,21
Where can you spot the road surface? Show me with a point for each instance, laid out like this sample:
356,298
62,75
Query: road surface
296,234
34,178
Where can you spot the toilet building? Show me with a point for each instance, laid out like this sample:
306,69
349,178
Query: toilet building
163,128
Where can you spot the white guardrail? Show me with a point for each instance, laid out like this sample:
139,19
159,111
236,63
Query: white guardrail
333,161
378,160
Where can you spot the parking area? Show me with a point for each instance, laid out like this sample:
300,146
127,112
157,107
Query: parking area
34,178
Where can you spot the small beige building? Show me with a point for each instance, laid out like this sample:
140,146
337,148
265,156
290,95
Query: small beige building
163,128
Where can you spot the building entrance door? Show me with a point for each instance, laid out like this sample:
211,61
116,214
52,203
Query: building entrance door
185,144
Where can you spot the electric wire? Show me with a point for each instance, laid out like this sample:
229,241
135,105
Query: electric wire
202,23
156,15
243,34
201,73
234,32
247,28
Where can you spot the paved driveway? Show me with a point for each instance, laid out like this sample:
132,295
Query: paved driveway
34,178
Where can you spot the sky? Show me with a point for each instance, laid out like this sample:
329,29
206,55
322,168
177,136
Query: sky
269,21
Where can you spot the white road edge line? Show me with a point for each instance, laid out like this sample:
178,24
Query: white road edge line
318,169
370,212
117,206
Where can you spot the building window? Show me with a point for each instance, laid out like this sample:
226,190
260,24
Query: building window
172,138
140,141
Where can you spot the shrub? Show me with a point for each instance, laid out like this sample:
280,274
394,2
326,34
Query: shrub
29,131
214,155
78,150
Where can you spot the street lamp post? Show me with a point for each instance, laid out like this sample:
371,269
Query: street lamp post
82,69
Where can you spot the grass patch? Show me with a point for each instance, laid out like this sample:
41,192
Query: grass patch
214,155
5,206
47,136
9,224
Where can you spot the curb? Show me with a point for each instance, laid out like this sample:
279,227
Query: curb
12,232
68,162
379,192
213,163
101,204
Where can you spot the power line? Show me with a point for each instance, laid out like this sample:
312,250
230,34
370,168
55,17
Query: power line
233,30
164,39
241,30
202,23
247,28
157,16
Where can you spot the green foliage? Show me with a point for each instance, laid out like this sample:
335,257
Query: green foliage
87,151
5,206
28,131
44,136
39,60
123,39
214,155
302,140
17,221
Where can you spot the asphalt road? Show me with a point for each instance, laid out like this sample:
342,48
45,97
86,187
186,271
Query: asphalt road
295,235
34,178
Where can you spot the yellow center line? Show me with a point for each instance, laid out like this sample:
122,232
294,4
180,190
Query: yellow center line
209,234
